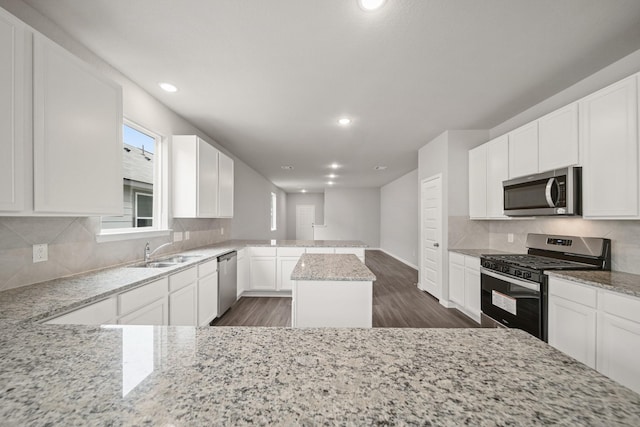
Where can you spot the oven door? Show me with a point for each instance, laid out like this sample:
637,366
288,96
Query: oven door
513,302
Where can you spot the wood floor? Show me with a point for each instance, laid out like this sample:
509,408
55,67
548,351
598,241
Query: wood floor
397,302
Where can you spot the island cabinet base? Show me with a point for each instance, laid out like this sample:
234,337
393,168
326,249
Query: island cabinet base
334,304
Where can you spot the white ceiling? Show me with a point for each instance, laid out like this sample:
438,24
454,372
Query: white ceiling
269,79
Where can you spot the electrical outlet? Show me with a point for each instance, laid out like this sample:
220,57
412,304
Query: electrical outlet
510,237
177,236
40,252
222,231
186,235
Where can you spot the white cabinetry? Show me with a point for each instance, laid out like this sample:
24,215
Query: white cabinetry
263,266
145,305
207,292
287,260
202,183
558,139
155,313
243,271
98,313
12,105
478,182
523,150
183,298
359,252
572,320
609,135
77,135
464,284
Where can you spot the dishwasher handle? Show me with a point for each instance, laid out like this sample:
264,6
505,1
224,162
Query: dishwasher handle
227,256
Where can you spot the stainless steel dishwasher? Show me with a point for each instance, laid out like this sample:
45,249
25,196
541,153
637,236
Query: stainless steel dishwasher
227,286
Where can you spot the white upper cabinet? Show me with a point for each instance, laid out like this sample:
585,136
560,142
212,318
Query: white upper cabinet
523,150
558,139
225,185
202,179
478,182
77,140
12,103
609,137
497,171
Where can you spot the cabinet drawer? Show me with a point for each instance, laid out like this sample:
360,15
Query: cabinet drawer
472,262
263,251
142,295
182,279
623,306
456,258
207,268
290,251
571,291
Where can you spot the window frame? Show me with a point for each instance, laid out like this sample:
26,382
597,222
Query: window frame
274,211
160,219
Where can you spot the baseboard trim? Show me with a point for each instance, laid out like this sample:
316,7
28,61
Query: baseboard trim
265,294
405,262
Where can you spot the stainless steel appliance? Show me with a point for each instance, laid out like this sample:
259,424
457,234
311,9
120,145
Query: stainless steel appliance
557,192
514,286
227,285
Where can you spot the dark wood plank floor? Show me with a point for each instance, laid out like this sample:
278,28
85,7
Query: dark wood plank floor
397,302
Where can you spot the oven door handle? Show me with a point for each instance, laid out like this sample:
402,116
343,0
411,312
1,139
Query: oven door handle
529,285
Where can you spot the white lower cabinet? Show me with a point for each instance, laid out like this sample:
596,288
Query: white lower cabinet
597,327
145,305
263,267
155,313
182,306
359,252
243,271
101,312
207,292
464,284
287,260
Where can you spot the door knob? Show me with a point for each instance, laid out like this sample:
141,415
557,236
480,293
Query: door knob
436,245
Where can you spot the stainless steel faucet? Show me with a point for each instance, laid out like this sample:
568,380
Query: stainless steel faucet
148,252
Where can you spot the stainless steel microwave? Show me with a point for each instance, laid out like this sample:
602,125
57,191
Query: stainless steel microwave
557,192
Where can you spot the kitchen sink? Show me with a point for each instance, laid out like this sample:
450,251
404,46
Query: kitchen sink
179,259
171,261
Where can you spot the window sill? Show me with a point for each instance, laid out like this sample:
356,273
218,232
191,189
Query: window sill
119,234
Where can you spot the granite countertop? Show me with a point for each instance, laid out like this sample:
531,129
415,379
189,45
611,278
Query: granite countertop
339,267
625,283
76,375
47,299
479,252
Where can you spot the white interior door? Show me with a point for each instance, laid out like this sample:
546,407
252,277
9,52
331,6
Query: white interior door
305,217
431,236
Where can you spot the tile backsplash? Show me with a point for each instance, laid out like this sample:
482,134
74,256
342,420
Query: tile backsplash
73,248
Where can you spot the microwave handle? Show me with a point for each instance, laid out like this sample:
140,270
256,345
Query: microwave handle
547,192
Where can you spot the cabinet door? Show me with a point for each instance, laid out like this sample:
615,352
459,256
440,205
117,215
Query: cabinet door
523,150
572,329
263,273
558,139
618,350
359,252
472,292
478,182
608,125
497,171
98,313
77,140
12,105
207,180
225,186
207,299
182,307
243,271
456,283
155,313
285,268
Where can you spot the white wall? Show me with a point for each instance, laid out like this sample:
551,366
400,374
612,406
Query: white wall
352,214
295,199
399,218
72,245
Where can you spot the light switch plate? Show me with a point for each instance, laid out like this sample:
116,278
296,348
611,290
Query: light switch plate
222,231
40,252
510,237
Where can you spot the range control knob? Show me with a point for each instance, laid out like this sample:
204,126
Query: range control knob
526,275
518,273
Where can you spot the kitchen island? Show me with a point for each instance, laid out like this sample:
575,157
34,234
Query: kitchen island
332,290
156,375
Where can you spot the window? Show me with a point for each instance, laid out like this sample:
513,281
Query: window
274,210
140,189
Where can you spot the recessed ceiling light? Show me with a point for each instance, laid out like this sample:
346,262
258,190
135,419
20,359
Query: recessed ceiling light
287,167
334,166
332,176
168,87
344,121
303,191
380,168
371,4
330,183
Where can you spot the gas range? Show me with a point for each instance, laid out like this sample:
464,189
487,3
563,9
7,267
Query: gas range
514,286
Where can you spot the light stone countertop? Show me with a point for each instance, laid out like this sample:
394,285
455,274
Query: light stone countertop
73,375
616,281
338,267
47,299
